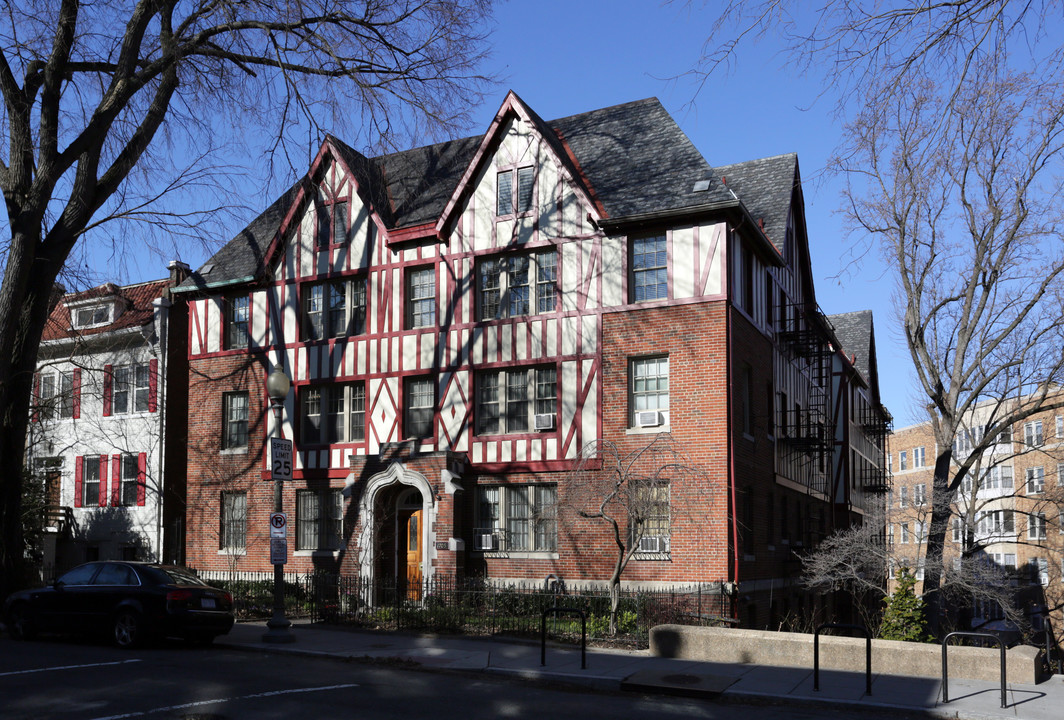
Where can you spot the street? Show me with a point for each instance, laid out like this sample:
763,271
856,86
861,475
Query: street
70,678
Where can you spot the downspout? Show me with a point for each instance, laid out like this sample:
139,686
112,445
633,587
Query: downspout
162,329
730,443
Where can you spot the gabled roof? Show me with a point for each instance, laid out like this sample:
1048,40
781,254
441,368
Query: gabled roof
133,301
856,335
632,160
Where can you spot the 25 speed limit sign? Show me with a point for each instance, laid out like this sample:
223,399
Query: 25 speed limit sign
281,458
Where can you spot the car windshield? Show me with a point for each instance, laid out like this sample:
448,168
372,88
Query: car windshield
174,575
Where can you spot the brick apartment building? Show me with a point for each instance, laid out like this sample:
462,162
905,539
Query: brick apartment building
107,432
1009,512
459,321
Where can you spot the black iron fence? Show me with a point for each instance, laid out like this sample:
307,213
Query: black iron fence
475,605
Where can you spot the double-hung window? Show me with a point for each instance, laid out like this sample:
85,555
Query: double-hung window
509,400
649,268
993,523
421,297
516,518
997,477
918,457
920,494
236,322
516,285
233,533
648,390
131,479
1036,526
46,396
131,389
1032,433
336,308
511,199
319,519
235,420
90,481
333,413
649,522
420,405
903,461
1036,480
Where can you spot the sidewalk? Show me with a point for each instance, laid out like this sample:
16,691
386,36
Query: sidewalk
639,671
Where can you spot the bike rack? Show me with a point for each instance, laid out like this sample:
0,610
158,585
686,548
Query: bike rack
868,653
945,673
543,633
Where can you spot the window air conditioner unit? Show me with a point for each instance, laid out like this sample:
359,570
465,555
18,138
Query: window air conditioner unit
647,418
544,421
485,540
653,544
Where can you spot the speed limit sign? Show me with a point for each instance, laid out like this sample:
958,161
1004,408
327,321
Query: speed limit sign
281,458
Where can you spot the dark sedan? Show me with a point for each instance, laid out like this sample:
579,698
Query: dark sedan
130,601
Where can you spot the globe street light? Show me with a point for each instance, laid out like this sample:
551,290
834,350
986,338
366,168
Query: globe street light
280,627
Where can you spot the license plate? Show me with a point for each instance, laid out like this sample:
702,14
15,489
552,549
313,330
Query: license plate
208,603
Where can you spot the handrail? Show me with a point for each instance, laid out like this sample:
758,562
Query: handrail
945,673
543,633
868,653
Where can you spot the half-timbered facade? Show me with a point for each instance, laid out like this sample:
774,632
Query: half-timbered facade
459,321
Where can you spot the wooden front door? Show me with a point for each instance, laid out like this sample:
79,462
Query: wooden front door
51,488
412,537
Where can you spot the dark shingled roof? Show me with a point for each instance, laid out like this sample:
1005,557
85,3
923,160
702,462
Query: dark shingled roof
854,331
134,303
634,158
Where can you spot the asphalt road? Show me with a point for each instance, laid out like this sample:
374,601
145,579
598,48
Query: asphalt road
54,678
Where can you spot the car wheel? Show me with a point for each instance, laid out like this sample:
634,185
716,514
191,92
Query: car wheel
20,624
128,629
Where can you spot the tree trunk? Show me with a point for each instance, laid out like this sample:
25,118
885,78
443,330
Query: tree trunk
941,511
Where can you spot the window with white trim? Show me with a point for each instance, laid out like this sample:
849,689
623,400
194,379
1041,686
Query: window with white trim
421,297
903,461
921,532
1060,427
648,389
91,316
1036,480
515,518
920,494
508,401
903,497
46,396
234,517
1039,569
1036,526
130,488
918,457
904,529
514,199
332,413
958,529
650,521
516,285
997,477
649,274
130,389
235,420
90,480
995,523
236,322
419,398
336,308
1032,433
319,519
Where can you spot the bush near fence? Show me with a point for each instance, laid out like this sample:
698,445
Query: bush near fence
475,606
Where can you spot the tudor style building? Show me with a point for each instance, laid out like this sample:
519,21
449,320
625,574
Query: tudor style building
107,432
460,320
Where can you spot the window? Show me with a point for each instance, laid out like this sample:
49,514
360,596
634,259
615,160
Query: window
233,534
994,523
650,523
131,480
421,297
1036,526
1036,480
903,461
509,400
333,413
511,200
236,322
332,224
903,497
1060,427
1039,569
234,420
958,529
90,481
516,518
904,533
921,532
1005,436
920,494
649,274
517,285
334,309
92,316
1032,433
46,396
997,477
918,457
131,389
319,519
890,534
648,387
420,398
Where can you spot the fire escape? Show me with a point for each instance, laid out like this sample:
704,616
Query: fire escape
877,424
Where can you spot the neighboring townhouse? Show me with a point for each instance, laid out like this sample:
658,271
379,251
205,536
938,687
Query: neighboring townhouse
107,433
1009,511
459,321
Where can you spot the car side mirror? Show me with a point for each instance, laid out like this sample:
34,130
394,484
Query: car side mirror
58,584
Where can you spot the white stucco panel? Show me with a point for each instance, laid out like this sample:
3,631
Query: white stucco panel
711,246
570,335
570,270
567,415
613,252
684,267
259,315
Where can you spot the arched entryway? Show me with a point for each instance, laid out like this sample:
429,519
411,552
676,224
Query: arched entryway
397,513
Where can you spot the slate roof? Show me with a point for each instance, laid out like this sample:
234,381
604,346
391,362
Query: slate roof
135,303
854,331
634,158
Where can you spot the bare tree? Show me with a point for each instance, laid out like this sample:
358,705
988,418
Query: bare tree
635,494
104,100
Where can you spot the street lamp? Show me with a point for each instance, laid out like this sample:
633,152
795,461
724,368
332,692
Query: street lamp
280,627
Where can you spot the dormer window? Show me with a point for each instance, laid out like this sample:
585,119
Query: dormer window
514,198
91,316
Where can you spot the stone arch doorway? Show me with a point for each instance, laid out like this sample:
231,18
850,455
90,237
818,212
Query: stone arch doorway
398,511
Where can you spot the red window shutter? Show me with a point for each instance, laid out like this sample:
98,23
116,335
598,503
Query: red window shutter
142,467
103,481
77,393
108,388
153,384
116,480
77,481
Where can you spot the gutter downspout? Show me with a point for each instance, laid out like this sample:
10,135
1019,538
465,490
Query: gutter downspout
730,435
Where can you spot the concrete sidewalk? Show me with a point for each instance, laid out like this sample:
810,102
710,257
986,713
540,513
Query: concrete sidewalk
638,671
